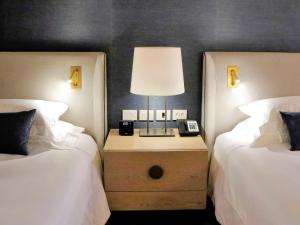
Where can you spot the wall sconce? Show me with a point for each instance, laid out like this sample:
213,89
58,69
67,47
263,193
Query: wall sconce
232,77
75,77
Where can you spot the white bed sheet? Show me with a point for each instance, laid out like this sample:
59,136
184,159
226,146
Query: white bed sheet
53,187
254,186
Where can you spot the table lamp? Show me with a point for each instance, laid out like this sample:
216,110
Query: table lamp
157,71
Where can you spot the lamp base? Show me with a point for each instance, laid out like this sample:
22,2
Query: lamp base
158,132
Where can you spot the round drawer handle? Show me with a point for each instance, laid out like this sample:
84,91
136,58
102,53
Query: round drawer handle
156,172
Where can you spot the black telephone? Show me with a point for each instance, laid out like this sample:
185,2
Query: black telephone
188,127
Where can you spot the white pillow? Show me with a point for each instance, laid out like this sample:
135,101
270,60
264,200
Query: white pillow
248,128
47,115
62,128
275,131
49,109
262,108
65,137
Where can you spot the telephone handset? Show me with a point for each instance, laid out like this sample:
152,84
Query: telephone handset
188,128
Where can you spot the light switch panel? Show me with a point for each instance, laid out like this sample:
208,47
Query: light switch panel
160,115
143,115
179,114
129,114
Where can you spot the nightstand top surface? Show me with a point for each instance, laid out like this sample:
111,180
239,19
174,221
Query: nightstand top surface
115,142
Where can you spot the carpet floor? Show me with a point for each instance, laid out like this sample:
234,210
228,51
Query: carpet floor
180,217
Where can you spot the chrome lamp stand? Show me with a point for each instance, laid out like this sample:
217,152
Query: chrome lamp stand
157,132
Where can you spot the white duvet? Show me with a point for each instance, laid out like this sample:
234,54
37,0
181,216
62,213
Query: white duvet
53,187
254,186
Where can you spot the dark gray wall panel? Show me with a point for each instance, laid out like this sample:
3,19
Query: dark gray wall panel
68,25
268,25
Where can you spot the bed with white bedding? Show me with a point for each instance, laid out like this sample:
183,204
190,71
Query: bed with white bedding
53,186
253,177
253,186
57,180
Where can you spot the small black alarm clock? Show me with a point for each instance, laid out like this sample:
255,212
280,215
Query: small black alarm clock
126,128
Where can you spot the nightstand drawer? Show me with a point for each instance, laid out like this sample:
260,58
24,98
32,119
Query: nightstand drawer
156,200
155,171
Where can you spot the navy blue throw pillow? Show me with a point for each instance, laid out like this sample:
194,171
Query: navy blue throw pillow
14,131
292,121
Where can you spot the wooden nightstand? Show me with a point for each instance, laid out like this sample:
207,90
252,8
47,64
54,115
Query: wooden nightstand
155,173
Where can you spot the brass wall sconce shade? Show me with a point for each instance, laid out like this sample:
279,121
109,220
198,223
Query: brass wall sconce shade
232,77
75,77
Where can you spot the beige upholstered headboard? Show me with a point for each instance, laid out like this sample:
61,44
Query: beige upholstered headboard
44,75
262,75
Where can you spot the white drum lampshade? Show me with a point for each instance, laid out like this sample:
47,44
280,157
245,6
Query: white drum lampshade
157,71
